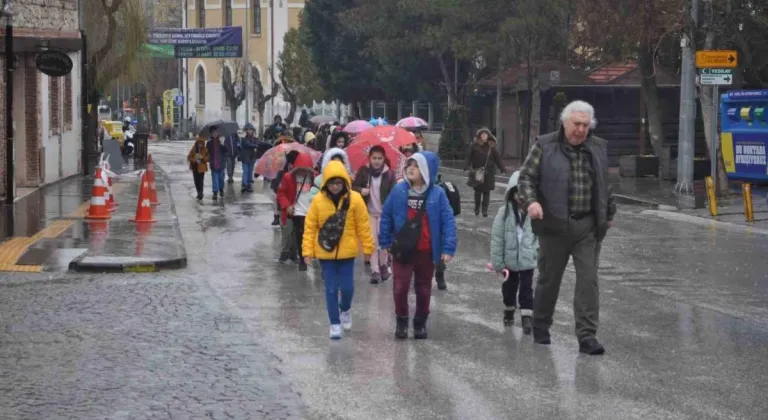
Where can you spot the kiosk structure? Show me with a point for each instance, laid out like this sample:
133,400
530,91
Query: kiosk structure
744,137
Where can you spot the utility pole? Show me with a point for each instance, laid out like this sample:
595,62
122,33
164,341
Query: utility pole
9,67
247,60
687,128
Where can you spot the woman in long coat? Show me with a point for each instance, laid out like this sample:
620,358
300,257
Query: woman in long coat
482,160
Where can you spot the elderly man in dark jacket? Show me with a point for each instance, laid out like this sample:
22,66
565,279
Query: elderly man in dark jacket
564,185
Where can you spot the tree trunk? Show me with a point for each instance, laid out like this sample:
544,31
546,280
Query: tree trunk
521,128
93,127
534,118
261,107
707,101
233,113
447,83
499,83
650,92
292,112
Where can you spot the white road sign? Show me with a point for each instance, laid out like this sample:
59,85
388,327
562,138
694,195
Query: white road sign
716,76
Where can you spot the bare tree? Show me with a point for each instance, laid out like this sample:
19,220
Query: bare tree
260,95
233,81
110,24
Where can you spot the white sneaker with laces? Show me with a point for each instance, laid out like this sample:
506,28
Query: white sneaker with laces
335,332
346,321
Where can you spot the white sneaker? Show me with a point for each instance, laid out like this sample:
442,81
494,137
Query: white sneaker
346,321
335,332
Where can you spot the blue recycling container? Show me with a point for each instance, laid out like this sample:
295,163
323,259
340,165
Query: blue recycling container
744,134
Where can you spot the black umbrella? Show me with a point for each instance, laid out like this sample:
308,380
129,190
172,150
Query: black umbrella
226,128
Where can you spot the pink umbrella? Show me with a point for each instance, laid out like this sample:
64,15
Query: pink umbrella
412,122
358,126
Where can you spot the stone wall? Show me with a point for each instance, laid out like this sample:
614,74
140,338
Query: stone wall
59,15
2,126
32,121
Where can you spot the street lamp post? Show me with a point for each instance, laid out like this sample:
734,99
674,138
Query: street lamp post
9,65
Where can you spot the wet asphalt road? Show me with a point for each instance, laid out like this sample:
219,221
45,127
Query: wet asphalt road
684,318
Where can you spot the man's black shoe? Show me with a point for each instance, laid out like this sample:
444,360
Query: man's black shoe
541,336
591,347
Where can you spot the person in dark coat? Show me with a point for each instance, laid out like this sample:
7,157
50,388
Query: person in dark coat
304,119
273,131
483,157
248,145
233,146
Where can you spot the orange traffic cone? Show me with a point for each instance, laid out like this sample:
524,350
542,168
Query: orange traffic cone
152,185
153,193
144,207
112,202
99,195
151,168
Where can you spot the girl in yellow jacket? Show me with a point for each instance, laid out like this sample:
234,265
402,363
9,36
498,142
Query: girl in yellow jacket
337,254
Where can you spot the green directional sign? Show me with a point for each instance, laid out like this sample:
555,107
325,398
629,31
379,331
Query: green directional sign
716,76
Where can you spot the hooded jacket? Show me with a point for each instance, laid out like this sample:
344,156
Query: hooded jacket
247,150
357,228
198,147
327,157
288,191
442,225
516,252
335,135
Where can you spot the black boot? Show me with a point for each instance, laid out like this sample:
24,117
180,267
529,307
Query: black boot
401,332
509,317
440,278
276,220
420,327
527,325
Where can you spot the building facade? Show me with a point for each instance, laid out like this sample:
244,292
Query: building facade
46,115
264,24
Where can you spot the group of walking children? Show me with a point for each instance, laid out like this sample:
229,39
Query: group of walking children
411,220
221,154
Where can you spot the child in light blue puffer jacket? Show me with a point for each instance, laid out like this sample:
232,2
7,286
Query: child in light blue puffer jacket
515,247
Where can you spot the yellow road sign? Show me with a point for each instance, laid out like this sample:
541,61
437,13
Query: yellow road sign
717,59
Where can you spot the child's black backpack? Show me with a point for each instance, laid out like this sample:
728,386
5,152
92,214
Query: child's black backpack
453,194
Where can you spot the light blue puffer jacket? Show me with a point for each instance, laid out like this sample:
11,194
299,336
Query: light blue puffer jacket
506,250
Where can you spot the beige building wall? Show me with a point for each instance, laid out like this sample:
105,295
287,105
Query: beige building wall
259,53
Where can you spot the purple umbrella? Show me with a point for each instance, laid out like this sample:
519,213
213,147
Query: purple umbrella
357,126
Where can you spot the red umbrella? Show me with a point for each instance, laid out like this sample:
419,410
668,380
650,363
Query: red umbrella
395,136
359,150
274,159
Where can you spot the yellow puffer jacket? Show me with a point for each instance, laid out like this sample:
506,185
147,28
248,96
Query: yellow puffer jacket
357,228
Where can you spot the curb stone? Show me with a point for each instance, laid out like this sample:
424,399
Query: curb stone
137,266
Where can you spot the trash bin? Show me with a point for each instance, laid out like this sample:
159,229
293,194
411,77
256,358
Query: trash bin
142,145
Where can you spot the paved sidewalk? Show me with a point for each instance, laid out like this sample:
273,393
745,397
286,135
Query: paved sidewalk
46,231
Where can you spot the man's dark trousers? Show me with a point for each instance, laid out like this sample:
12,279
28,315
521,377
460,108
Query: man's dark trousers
580,242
